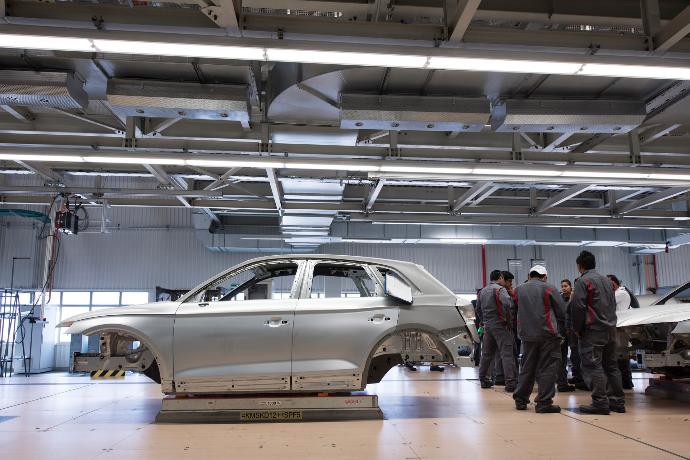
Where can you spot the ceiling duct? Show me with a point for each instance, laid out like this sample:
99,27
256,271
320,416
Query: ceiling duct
563,116
47,89
158,99
414,113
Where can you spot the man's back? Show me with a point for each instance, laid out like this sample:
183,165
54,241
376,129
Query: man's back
593,304
540,310
496,306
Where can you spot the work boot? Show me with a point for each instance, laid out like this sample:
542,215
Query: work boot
499,382
565,388
628,386
510,388
437,368
486,384
519,405
594,410
619,408
550,409
574,380
410,366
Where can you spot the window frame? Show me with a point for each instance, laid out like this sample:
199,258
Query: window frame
193,296
379,290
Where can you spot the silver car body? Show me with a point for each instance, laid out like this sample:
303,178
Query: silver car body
297,343
659,332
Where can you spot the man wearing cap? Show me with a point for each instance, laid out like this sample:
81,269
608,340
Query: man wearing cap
593,309
540,325
498,313
499,377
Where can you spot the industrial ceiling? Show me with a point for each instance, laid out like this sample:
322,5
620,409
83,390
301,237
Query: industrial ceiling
308,116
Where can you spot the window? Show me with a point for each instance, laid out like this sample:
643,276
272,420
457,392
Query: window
135,298
679,295
260,282
106,298
76,298
66,312
341,281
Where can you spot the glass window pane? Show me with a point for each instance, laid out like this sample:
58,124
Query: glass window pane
105,298
25,298
53,300
260,282
135,298
76,298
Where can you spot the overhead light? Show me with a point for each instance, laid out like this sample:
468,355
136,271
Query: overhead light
670,176
515,172
42,42
134,160
504,65
236,163
605,174
47,158
463,240
425,169
635,71
334,166
346,58
179,49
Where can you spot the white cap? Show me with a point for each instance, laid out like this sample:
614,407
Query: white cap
539,269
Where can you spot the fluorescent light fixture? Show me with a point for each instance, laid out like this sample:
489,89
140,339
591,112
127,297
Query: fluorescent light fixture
507,171
670,176
46,158
334,166
636,71
42,42
178,49
236,163
425,169
346,58
135,160
463,240
605,174
504,65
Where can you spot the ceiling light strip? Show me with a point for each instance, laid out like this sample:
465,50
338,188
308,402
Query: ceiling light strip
416,57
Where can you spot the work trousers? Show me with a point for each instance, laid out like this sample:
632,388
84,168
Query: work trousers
501,340
575,366
562,376
540,361
600,367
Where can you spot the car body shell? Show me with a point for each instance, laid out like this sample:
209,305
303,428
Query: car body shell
295,344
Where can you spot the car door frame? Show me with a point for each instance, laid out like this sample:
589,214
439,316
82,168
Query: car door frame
381,314
241,382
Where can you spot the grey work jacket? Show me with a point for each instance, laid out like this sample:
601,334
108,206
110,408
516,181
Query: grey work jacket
593,303
496,307
540,311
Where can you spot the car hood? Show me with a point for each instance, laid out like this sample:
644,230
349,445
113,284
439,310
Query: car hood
672,313
158,308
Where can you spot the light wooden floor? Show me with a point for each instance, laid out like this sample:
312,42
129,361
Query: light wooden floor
429,415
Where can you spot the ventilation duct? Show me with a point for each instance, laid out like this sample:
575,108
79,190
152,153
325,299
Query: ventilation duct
157,99
46,89
413,113
563,116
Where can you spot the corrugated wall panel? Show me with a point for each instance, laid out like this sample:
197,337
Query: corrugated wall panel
673,268
19,241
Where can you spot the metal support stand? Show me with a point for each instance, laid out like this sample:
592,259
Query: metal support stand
667,388
268,408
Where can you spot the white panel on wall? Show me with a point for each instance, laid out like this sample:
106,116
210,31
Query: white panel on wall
673,268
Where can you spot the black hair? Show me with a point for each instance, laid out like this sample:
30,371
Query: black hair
586,260
534,274
495,275
507,275
566,280
614,278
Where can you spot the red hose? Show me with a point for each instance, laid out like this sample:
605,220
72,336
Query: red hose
483,265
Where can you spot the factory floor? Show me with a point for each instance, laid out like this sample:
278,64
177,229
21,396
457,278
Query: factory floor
429,415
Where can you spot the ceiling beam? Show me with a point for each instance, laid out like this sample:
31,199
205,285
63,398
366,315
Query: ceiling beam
276,189
658,132
373,194
490,191
163,125
562,197
469,195
222,179
90,120
592,142
462,18
224,14
318,94
673,32
557,141
41,170
165,179
20,113
654,198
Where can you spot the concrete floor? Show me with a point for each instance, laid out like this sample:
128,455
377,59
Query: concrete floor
428,416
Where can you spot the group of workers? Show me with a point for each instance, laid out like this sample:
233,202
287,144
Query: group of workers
541,322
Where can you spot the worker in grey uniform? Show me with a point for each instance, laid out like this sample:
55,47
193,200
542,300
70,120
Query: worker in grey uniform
541,328
498,312
593,309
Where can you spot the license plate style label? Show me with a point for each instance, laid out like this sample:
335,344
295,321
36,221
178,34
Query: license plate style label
265,415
